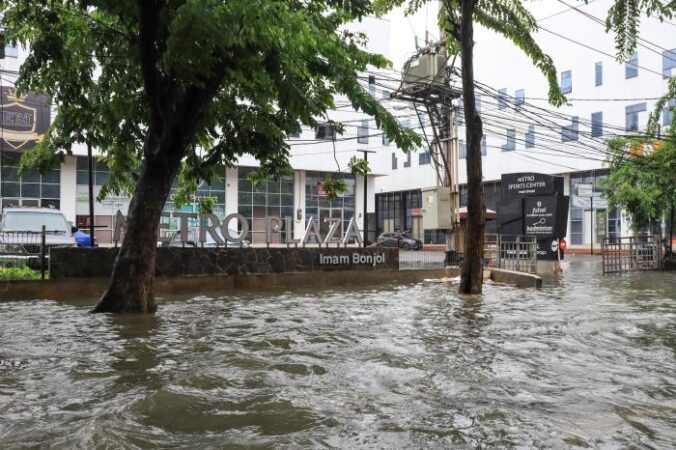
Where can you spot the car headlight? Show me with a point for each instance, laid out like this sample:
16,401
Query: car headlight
12,248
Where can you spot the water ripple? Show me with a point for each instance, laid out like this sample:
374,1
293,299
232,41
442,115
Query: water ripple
587,361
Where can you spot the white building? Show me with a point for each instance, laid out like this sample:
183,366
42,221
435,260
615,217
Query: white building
523,132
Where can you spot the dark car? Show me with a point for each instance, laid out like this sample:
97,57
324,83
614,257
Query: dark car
403,240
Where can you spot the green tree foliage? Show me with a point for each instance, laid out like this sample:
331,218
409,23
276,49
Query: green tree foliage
254,72
159,84
643,185
642,177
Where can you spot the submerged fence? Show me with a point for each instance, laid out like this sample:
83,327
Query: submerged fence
629,254
421,259
512,252
23,254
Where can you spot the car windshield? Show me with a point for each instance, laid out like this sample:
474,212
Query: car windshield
33,221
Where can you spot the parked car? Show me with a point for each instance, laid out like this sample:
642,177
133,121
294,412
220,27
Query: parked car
83,239
193,240
403,239
21,238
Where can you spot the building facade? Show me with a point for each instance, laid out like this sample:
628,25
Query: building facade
523,133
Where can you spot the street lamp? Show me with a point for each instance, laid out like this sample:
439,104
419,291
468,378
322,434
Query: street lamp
366,222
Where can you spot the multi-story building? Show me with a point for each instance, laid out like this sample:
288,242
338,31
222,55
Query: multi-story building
523,133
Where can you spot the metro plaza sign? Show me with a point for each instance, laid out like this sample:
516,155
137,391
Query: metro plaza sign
220,231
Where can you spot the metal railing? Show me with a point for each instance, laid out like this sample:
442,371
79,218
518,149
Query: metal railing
627,254
23,254
421,259
511,252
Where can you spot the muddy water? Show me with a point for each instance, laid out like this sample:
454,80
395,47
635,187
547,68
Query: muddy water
587,361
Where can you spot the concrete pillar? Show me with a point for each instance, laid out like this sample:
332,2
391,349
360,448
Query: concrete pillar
231,190
299,204
68,196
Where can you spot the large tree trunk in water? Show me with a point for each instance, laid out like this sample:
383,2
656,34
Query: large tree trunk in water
472,273
130,289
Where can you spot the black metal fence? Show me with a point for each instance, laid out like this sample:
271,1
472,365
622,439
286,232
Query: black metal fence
23,254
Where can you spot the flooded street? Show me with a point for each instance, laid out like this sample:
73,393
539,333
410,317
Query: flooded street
587,361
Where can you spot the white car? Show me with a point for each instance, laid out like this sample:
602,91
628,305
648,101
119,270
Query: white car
21,234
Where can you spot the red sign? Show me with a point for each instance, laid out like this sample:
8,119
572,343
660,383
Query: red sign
416,212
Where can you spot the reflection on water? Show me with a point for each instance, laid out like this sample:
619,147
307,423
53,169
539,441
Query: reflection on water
587,361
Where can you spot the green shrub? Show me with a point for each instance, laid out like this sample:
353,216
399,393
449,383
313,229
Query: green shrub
19,273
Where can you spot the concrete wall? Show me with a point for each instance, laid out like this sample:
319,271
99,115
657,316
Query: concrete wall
172,262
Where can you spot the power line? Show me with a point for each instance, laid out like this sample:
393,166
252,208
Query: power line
601,22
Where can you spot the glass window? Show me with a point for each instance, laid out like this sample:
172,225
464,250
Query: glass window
631,116
519,97
530,137
567,82
424,158
11,50
668,112
372,85
502,98
598,73
325,131
407,163
510,144
463,149
363,132
597,124
483,145
631,67
668,62
570,132
31,189
394,161
273,197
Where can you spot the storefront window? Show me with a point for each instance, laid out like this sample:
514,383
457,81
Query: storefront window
32,189
400,211
318,206
270,198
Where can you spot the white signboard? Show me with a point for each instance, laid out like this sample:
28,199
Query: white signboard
586,202
585,190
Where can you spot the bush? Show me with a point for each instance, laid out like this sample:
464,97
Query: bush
19,273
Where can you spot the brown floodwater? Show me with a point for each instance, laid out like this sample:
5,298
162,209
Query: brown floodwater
587,361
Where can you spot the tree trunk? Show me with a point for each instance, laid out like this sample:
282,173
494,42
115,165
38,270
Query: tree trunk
472,274
130,289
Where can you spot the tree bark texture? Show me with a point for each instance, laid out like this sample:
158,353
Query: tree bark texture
131,285
472,273
176,114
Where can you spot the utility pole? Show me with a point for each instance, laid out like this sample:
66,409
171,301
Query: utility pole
449,139
427,83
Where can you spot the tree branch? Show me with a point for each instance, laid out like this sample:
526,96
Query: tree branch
148,11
